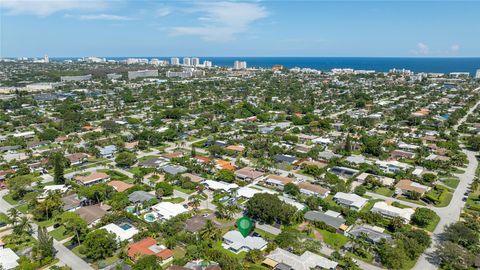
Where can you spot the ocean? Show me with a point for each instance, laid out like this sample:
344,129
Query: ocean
416,64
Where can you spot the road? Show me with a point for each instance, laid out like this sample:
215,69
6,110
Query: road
463,119
65,255
449,214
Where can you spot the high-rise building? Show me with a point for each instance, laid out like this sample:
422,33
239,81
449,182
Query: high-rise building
45,58
186,61
477,75
195,61
174,61
240,65
207,64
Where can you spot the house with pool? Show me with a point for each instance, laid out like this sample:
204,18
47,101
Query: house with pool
164,211
123,231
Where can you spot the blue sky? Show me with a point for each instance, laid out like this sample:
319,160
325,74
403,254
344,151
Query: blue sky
64,28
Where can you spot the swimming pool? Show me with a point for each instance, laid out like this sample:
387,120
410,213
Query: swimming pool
150,217
130,209
125,226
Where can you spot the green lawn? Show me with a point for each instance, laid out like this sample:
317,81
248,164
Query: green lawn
451,182
334,240
59,233
108,261
412,201
445,200
264,234
384,191
218,246
369,205
8,198
4,218
433,224
115,175
22,208
46,223
188,191
174,200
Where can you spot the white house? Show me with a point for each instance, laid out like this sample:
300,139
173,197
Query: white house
217,185
392,211
350,200
167,210
234,241
124,231
8,258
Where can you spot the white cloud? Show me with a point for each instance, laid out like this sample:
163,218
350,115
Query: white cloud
44,8
162,12
455,48
422,48
104,17
222,21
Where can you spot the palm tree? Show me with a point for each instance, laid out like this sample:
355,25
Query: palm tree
298,217
23,226
195,202
210,232
13,215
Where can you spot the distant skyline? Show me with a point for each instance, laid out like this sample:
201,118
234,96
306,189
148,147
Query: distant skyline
116,28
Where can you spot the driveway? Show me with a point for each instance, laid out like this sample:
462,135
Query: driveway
65,255
449,214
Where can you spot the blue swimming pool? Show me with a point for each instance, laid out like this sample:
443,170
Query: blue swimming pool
150,217
125,226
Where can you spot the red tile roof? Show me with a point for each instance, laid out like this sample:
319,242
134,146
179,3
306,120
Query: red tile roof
142,248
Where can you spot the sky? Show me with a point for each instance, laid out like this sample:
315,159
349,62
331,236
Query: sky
115,28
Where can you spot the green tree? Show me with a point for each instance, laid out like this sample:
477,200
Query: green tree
225,176
58,168
254,256
44,247
125,159
75,224
100,244
454,256
149,262
423,216
210,232
269,208
291,189
166,188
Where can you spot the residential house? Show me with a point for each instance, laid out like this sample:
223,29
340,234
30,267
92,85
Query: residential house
124,232
149,246
278,181
93,213
334,221
285,260
167,210
174,169
235,242
72,202
77,158
309,189
8,258
248,174
119,186
372,234
343,172
108,151
404,186
140,196
391,211
92,178
392,166
349,199
219,185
